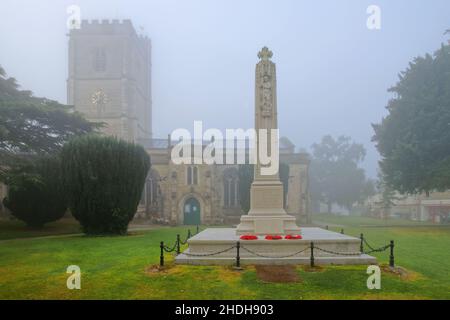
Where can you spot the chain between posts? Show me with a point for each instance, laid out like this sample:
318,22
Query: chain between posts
187,237
181,242
277,257
338,253
209,254
176,246
168,249
366,243
380,249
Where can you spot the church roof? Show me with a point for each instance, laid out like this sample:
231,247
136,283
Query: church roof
287,148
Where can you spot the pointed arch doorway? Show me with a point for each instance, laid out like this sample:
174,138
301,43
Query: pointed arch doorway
191,210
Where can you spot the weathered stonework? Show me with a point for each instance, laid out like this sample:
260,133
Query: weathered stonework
267,213
209,191
109,77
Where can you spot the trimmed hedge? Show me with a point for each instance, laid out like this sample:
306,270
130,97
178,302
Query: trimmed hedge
35,193
104,178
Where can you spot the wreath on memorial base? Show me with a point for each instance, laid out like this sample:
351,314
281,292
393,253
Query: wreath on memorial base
271,237
293,237
248,237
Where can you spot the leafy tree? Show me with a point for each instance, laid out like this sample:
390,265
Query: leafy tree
246,176
369,189
414,138
33,126
35,193
334,173
388,196
104,178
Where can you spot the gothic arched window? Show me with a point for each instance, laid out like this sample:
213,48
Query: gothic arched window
152,191
100,60
231,188
192,175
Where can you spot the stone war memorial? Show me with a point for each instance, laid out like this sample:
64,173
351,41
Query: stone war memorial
267,234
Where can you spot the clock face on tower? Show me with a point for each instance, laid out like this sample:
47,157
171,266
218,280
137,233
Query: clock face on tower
99,100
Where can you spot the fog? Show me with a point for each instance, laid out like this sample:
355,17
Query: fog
333,72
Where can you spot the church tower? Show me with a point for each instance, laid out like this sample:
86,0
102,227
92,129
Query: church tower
109,77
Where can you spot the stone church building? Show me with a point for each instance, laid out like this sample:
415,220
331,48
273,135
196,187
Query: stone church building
110,81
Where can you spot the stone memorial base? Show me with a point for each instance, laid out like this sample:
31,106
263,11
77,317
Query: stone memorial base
273,252
266,215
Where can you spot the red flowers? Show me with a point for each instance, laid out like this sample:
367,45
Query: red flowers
270,237
248,237
293,237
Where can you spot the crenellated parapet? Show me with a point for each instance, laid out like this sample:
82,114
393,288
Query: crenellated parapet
111,26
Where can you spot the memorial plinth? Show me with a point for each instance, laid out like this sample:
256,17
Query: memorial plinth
273,252
267,215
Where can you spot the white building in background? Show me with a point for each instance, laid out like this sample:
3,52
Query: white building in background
434,208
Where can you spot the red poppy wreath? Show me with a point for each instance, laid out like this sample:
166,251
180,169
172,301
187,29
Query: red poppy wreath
293,237
248,237
271,237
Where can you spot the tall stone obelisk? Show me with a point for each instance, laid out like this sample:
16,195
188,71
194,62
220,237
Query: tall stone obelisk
267,214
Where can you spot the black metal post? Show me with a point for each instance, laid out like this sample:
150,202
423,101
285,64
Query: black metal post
238,258
326,227
342,231
178,244
361,246
161,257
197,229
312,255
391,256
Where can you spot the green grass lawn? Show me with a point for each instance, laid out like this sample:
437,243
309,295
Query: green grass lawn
11,229
361,221
115,268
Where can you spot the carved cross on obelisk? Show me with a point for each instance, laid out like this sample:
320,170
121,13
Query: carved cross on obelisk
265,105
267,214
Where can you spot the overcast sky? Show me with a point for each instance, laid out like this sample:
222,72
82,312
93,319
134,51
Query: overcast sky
333,72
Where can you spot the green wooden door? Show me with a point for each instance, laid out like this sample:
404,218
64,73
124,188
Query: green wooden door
192,212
